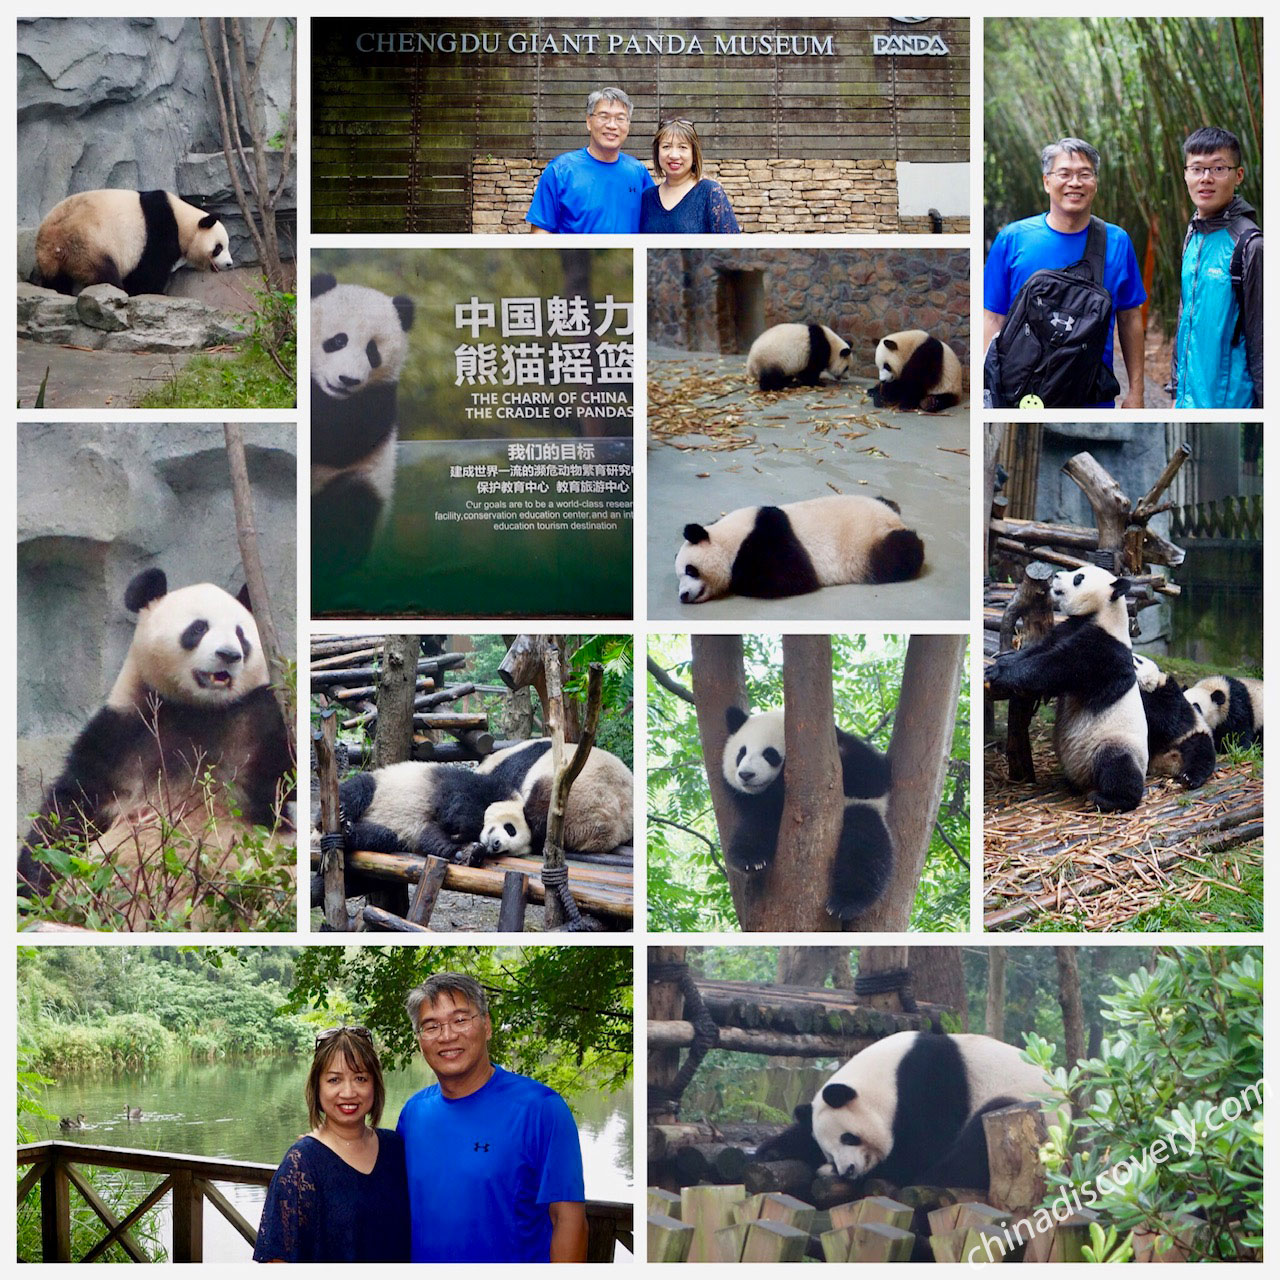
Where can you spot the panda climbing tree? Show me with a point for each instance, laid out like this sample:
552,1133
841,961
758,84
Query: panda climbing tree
828,841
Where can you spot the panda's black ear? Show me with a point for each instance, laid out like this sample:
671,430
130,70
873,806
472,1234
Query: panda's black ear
803,1113
838,1095
242,596
322,283
146,586
696,533
404,309
1120,587
735,718
890,345
207,221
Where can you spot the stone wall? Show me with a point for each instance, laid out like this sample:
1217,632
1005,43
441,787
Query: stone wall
860,293
766,194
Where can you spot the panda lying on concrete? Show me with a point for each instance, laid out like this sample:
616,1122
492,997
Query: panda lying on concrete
1100,730
753,762
191,702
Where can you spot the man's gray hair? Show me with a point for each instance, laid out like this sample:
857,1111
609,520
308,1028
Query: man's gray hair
1070,147
607,95
457,985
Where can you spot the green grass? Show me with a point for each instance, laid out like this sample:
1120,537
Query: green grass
248,380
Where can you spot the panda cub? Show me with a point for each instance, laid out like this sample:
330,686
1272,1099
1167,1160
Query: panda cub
192,699
1100,730
753,763
134,240
908,1108
1231,706
1179,744
772,552
358,347
916,372
795,355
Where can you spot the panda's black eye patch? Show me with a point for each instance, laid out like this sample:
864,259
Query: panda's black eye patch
375,356
193,634
336,343
772,756
245,647
742,751
509,828
1078,579
851,1140
691,571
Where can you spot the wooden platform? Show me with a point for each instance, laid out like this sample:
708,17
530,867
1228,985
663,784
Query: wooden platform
1047,853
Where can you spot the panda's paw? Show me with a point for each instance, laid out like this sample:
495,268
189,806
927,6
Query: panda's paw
749,863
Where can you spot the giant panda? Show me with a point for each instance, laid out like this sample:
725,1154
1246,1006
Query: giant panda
192,701
795,355
1100,730
1231,706
597,818
753,764
916,372
358,347
771,552
1179,744
131,239
908,1108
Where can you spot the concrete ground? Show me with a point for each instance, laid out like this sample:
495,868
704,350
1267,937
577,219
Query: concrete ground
715,443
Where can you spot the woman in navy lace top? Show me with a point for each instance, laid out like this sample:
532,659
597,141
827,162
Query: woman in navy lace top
684,201
340,1193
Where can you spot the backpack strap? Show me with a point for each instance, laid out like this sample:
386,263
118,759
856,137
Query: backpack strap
1242,231
1095,249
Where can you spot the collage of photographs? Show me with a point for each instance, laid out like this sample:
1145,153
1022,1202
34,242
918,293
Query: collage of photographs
385,570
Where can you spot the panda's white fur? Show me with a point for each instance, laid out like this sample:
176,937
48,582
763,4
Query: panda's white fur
796,355
771,552
1179,742
904,1108
1232,707
358,348
190,717
916,371
753,764
131,239
1100,730
598,812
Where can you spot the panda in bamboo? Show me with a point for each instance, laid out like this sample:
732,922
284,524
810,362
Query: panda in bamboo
134,240
1232,708
1179,743
916,371
795,355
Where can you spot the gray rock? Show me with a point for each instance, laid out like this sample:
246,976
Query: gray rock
26,252
45,315
103,306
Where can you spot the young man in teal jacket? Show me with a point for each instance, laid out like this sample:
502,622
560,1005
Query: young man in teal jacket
1217,361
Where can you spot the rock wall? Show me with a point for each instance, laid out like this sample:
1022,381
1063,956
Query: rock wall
98,503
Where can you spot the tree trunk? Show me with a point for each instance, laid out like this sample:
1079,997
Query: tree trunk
393,737
996,958
1071,1002
666,1004
810,967
937,975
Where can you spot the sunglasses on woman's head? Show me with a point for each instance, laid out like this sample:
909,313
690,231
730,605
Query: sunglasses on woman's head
363,1032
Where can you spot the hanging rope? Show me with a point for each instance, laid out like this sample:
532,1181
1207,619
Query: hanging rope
886,981
556,880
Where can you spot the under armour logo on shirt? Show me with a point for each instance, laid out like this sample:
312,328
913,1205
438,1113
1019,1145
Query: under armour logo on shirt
481,1146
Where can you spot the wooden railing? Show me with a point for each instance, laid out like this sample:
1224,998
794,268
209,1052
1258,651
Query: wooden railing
56,1167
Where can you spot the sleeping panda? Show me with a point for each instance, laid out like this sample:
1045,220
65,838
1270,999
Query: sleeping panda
1231,706
1100,730
771,552
916,372
908,1108
753,763
598,813
358,348
192,700
1179,744
794,355
131,239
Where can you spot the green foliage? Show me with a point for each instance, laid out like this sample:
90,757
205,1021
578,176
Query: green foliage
1153,1134
616,654
560,1014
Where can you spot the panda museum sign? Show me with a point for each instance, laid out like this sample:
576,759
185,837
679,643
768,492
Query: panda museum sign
810,124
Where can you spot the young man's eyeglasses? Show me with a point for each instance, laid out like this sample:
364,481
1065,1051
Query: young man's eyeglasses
1202,170
459,1022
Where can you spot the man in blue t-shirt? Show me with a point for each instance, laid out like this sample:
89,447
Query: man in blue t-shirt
493,1159
596,188
1057,239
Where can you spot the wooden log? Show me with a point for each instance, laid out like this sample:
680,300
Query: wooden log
511,912
1029,606
424,896
661,1201
891,1212
777,1206
836,1243
1014,1137
1111,505
1064,1242
697,1162
669,1238
669,1035
1144,508
730,1242
793,1177
981,1244
880,1242
389,921
343,694
827,1190
330,676
451,720
666,1139
976,1214
335,893
771,1241
707,1210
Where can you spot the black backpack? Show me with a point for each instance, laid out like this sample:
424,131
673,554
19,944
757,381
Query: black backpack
1048,354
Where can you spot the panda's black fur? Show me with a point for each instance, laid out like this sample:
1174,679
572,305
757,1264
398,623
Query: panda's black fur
157,724
795,1142
1179,744
916,371
789,355
754,756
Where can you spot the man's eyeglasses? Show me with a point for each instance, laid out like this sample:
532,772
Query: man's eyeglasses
611,117
1065,175
459,1022
1202,170
363,1032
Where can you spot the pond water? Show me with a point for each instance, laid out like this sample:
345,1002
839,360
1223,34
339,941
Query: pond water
254,1111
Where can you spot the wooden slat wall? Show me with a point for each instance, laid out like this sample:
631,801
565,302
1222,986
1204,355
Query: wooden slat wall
394,134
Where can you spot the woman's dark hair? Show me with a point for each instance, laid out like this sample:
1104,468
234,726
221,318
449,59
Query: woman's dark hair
360,1054
680,128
